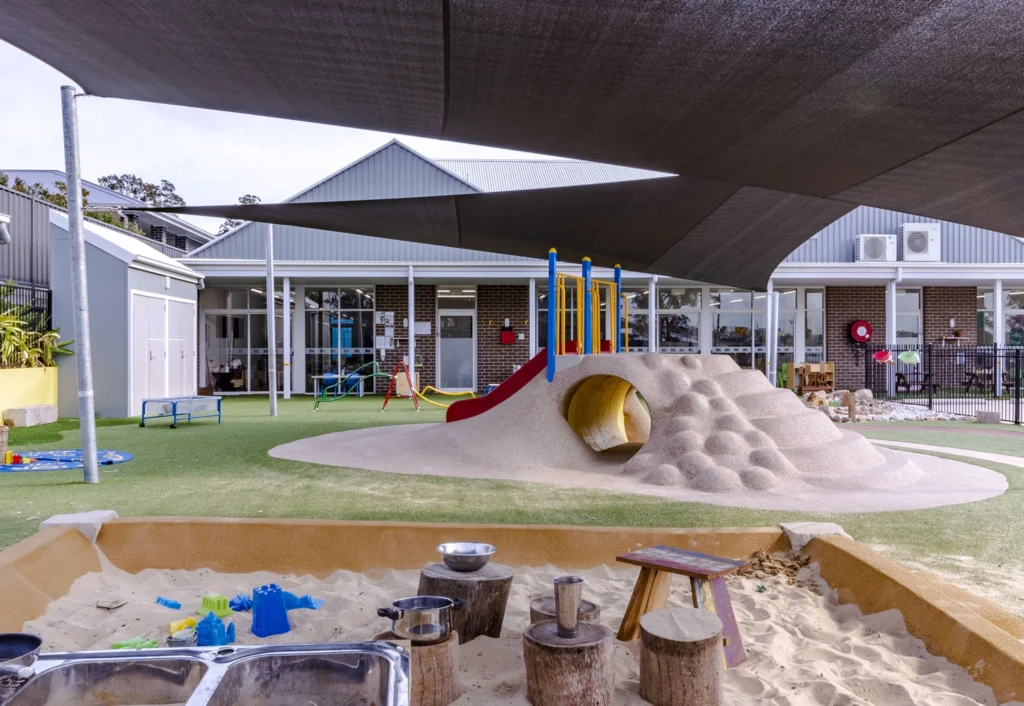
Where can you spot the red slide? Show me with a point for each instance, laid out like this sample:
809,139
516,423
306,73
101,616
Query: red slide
464,409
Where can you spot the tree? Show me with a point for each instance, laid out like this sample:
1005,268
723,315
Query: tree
162,194
60,198
232,223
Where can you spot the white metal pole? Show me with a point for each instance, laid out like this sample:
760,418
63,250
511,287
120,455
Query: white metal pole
533,316
652,314
412,329
286,334
79,286
998,333
890,332
271,324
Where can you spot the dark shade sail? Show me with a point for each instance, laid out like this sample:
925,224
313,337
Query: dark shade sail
676,226
905,104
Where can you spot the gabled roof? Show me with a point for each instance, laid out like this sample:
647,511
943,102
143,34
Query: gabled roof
520,174
126,248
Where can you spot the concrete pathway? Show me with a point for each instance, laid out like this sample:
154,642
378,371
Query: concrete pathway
984,431
982,455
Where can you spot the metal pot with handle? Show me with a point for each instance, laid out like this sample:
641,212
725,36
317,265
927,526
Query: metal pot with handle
18,652
423,620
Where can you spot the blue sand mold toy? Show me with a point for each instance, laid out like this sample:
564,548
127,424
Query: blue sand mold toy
168,603
210,632
269,615
291,601
240,603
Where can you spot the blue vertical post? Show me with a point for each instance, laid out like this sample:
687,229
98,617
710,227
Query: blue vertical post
588,323
552,311
618,308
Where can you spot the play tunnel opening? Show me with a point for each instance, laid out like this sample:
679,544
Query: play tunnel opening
609,414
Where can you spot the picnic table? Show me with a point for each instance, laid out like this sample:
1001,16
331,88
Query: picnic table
914,382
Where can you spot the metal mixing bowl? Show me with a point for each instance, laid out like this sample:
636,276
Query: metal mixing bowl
466,556
18,650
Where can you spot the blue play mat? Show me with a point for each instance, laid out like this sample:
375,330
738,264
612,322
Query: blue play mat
63,460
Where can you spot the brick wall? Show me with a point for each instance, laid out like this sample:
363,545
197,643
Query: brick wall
494,304
843,306
940,304
395,297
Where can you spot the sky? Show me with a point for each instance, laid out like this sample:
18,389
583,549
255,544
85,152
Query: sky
211,157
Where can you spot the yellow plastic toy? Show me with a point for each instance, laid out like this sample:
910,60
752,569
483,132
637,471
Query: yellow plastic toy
179,625
431,388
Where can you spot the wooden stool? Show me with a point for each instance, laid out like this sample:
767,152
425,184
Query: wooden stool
574,671
680,658
707,582
433,670
485,593
543,608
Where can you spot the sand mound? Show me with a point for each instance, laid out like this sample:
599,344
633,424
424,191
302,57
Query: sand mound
690,427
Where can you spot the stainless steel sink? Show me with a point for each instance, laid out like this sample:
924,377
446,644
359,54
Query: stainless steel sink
335,674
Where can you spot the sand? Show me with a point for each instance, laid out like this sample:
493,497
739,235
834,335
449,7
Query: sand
804,649
710,432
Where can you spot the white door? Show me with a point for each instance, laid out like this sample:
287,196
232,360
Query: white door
456,349
149,349
181,359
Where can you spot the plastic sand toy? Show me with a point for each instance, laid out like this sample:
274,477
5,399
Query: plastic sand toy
179,625
210,632
240,603
291,601
168,603
269,614
135,643
213,603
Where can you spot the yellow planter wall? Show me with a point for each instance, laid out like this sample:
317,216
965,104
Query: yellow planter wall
21,387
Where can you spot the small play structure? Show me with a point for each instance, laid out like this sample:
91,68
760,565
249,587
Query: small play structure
588,295
59,460
350,383
185,408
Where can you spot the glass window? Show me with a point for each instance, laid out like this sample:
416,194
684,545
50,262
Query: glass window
814,336
815,298
1014,300
678,333
671,298
787,329
986,317
348,299
908,329
787,300
731,299
908,301
227,352
457,297
639,332
731,330
257,299
638,298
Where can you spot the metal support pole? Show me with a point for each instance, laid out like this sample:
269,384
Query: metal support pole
588,312
619,344
769,329
79,286
533,316
286,322
552,311
890,335
271,324
412,333
998,334
652,315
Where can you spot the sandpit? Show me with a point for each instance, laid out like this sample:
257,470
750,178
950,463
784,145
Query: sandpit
704,431
804,649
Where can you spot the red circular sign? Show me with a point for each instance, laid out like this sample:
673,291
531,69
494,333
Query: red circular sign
860,331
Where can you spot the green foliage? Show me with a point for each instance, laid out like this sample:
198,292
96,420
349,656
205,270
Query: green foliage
162,194
60,198
21,345
232,223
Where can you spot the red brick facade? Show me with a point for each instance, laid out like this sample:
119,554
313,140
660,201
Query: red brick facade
494,304
395,297
843,306
940,304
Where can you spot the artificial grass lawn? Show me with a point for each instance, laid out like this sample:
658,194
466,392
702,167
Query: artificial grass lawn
991,443
203,469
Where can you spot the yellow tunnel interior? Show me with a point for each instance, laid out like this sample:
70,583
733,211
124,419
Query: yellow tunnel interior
605,412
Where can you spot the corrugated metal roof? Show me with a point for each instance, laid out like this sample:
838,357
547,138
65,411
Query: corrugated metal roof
960,243
98,195
521,174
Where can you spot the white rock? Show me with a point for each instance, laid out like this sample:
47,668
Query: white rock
31,416
864,395
800,533
88,523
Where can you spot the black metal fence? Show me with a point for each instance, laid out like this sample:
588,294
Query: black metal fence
37,300
948,378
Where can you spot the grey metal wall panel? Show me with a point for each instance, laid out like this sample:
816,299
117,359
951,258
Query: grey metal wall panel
960,243
108,325
520,174
27,258
393,172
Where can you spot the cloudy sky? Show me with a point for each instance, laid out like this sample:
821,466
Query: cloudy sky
211,157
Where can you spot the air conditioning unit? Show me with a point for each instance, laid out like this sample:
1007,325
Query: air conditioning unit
876,248
920,242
